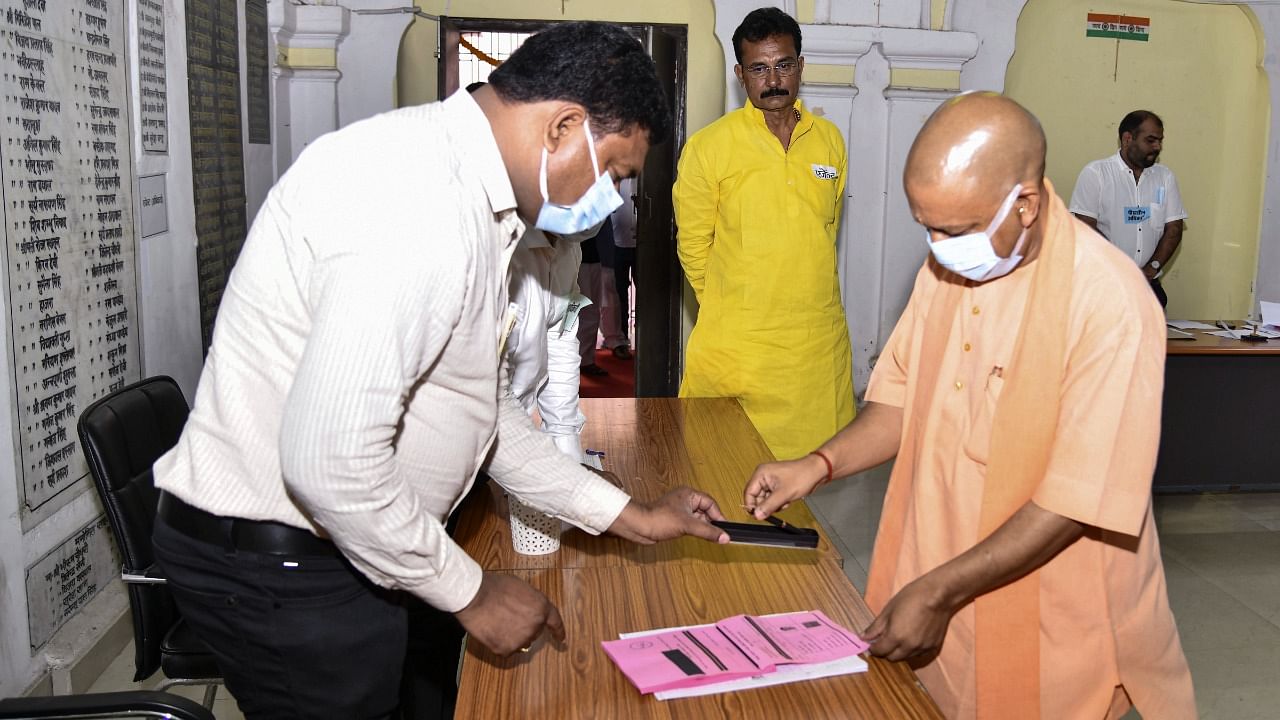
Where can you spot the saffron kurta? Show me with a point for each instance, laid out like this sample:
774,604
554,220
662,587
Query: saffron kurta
1105,621
757,238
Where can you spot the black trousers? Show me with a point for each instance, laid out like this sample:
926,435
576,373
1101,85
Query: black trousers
1158,289
310,637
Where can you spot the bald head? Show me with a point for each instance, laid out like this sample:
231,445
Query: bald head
977,146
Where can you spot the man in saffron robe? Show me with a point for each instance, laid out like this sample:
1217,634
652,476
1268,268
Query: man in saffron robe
1017,565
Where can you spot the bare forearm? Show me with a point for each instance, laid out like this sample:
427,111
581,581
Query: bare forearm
914,622
871,439
1029,539
1169,242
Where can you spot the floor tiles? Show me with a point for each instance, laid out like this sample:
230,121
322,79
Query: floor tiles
119,676
1245,565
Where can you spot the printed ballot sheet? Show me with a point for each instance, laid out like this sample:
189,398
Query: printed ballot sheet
738,647
784,674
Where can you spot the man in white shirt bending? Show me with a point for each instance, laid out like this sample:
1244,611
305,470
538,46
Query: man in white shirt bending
351,390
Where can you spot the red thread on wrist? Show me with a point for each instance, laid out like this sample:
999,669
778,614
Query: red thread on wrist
830,469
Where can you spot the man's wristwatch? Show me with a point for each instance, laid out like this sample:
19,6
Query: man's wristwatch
1155,264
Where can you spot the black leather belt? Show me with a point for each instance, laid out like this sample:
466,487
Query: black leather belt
260,536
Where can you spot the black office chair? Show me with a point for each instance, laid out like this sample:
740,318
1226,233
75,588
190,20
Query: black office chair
122,435
132,704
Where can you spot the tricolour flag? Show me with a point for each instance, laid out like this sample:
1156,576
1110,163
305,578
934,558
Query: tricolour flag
1122,27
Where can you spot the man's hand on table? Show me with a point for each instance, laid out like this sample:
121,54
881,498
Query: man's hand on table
683,511
508,614
913,622
774,486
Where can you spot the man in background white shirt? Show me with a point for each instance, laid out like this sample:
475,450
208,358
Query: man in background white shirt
542,349
1132,200
351,390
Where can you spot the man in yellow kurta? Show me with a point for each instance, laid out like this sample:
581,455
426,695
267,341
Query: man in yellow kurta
757,200
1017,565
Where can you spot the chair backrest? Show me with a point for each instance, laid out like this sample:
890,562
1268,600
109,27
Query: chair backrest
122,435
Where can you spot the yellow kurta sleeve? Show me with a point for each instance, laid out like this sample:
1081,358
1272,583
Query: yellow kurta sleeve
696,197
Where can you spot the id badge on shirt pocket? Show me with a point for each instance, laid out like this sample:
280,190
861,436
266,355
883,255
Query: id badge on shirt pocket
571,311
1136,214
825,172
825,199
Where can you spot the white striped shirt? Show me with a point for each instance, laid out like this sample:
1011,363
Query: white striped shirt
352,384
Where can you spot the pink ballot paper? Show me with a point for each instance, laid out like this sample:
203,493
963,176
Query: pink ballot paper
736,647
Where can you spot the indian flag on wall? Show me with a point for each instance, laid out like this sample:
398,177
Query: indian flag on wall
1121,27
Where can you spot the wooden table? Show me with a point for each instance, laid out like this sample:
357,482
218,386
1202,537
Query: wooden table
1221,411
652,445
580,681
1202,343
604,586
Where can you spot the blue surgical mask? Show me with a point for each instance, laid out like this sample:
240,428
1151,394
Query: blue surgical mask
589,212
973,256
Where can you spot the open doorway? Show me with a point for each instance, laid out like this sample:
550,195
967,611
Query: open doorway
469,49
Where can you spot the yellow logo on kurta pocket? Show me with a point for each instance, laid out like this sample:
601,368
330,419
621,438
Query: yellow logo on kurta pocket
824,172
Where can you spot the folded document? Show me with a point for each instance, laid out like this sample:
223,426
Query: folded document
736,653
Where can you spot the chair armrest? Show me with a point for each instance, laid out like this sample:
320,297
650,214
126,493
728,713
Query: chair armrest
149,576
136,703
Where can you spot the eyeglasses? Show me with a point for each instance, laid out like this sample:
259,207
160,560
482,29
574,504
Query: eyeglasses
786,68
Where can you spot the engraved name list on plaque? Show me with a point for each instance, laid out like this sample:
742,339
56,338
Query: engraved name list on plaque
65,169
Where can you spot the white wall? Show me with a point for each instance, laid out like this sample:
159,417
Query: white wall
169,330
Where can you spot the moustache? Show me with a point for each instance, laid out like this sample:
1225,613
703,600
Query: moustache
774,92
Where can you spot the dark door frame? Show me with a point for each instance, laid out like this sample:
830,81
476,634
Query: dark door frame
659,295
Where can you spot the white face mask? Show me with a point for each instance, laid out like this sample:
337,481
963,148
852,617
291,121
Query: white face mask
582,219
585,235
972,255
